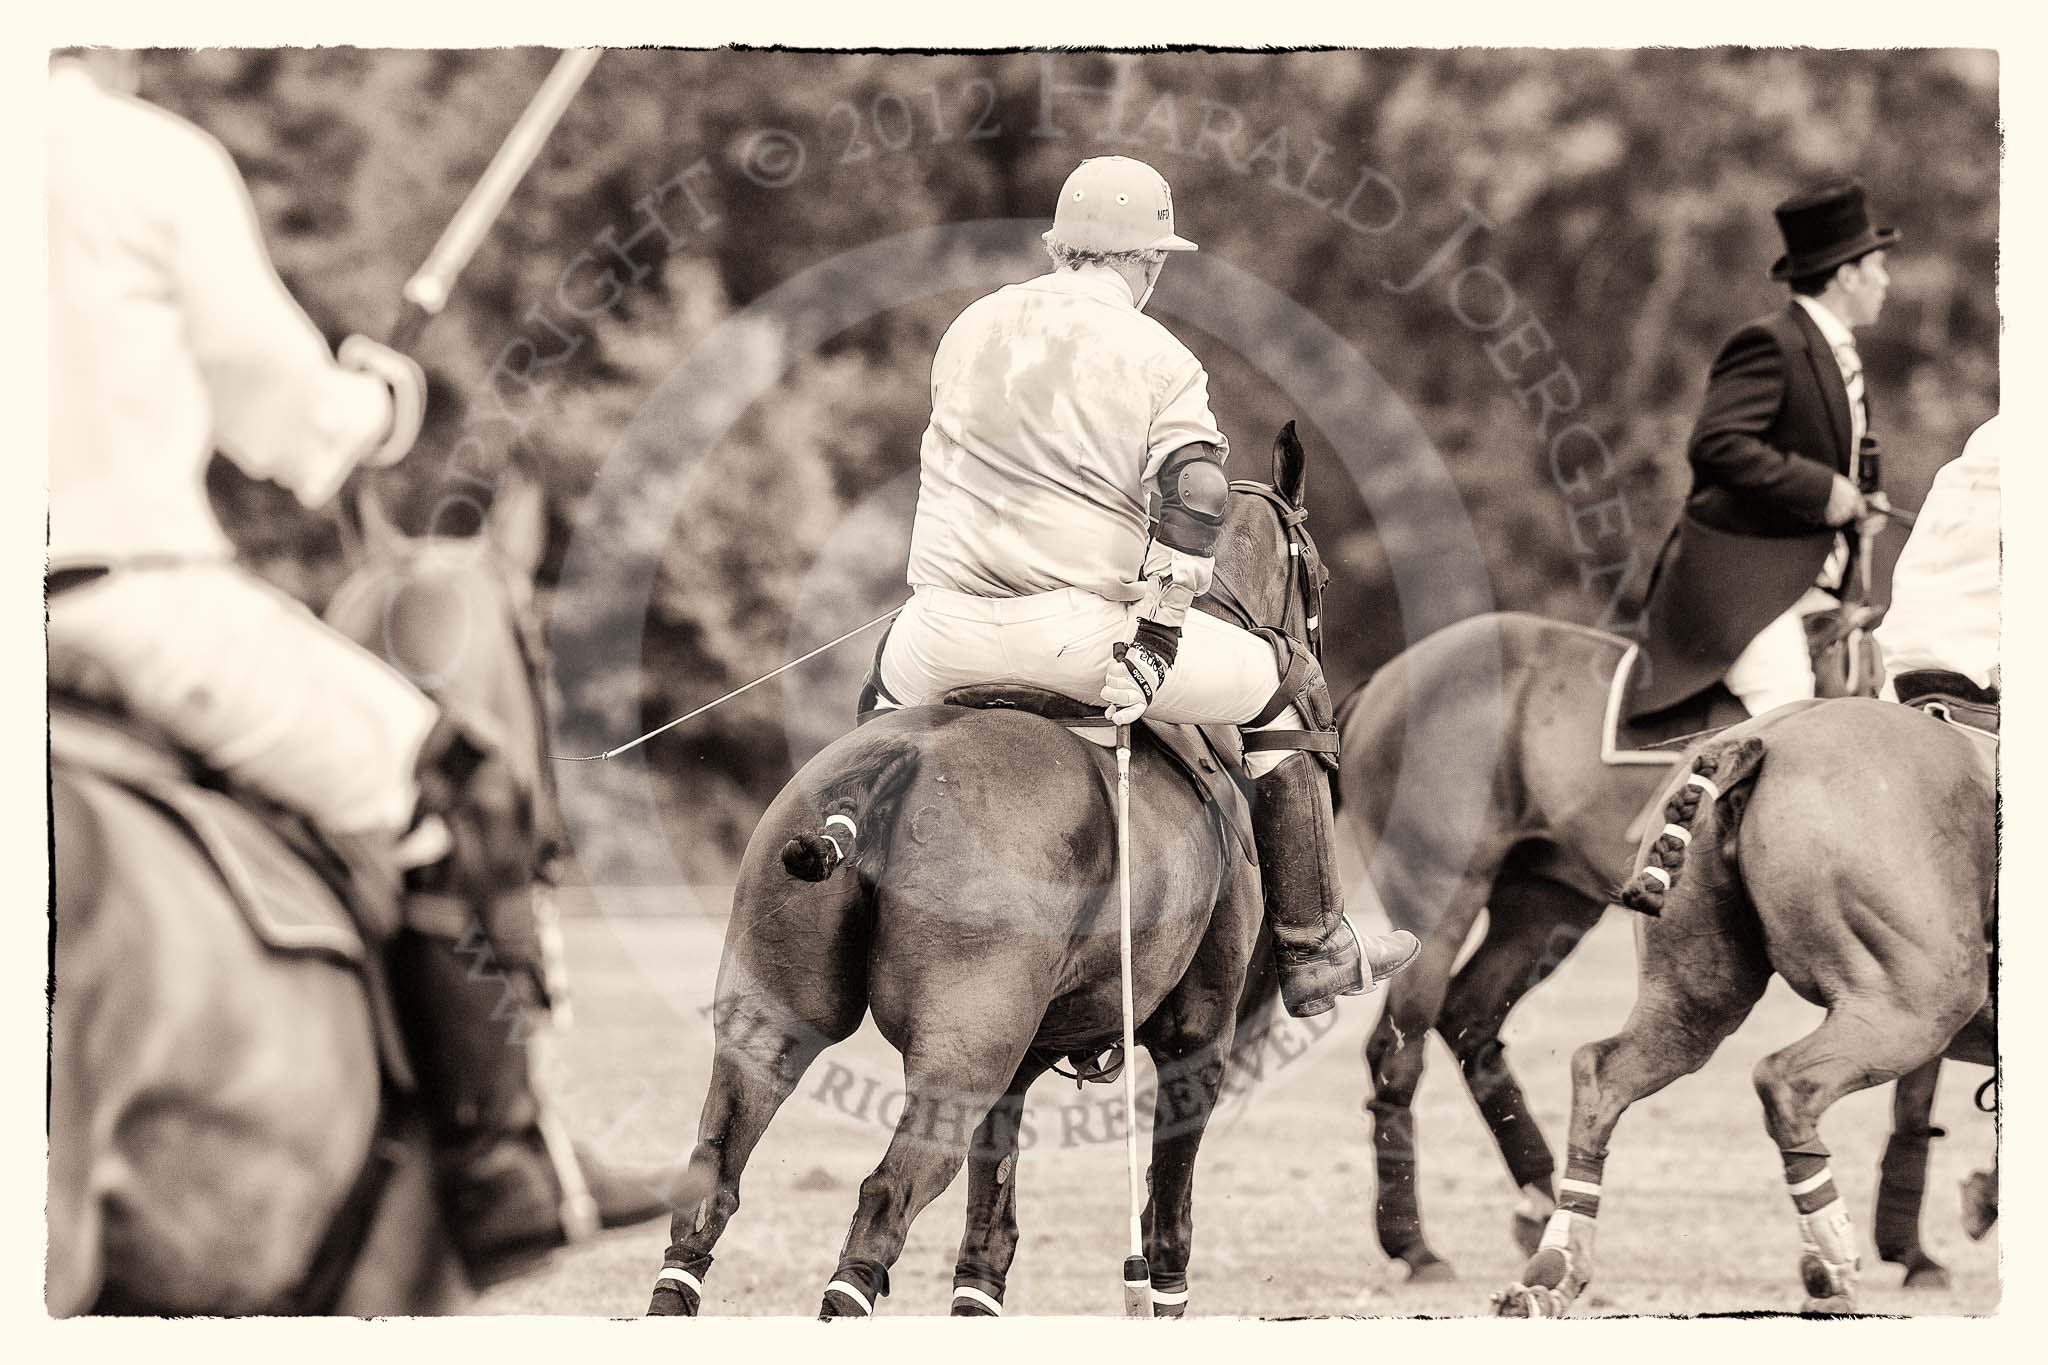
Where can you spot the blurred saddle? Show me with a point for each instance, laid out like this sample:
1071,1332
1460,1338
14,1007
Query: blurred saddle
1950,697
293,891
1661,736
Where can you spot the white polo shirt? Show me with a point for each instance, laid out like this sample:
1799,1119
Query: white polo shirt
1054,402
171,336
1944,611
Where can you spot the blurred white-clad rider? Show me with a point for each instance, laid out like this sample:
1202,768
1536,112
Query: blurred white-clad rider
170,337
1071,493
1941,631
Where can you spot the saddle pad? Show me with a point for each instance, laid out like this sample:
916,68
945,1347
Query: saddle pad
289,906
1212,756
1659,736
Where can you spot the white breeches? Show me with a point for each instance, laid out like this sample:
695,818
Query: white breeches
1061,641
257,686
1776,667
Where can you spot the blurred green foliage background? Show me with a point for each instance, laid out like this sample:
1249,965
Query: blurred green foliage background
1628,196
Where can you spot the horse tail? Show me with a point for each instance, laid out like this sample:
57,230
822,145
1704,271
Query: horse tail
1717,773
859,809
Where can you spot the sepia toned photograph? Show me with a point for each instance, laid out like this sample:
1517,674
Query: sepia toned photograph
1163,682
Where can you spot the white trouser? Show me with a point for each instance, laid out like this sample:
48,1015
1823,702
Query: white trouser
1776,668
257,686
1061,641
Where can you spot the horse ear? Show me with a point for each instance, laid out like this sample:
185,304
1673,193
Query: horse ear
519,522
382,539
1290,465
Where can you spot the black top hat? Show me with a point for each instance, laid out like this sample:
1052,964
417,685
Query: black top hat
1824,227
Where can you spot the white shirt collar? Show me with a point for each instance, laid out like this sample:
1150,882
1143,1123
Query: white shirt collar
1096,281
1833,328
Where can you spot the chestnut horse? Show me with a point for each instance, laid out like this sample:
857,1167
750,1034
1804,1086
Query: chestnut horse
1848,846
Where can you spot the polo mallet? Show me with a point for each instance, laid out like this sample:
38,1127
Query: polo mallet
1137,1276
426,293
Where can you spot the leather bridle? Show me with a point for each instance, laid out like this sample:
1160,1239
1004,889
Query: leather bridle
1307,577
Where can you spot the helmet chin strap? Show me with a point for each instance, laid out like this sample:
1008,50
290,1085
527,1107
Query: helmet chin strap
1152,274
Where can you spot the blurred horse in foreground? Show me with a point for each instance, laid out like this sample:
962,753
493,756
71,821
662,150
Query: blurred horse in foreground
224,1135
1849,846
1497,733
974,912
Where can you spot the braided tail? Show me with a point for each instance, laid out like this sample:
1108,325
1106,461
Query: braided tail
860,810
1716,773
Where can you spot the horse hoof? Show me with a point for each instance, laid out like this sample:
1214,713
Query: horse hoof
1829,1288
1431,1271
1528,1301
1926,1273
1980,1205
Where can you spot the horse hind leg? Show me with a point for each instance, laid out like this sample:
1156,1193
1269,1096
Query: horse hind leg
763,1051
1902,1179
950,1084
1856,1046
989,1245
1693,991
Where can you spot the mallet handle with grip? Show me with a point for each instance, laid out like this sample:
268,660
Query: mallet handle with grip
426,293
1137,1276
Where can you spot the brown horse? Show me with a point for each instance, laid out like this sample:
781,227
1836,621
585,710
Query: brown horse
1472,775
976,918
220,1138
1850,847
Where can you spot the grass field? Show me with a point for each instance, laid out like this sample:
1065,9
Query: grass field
1695,1217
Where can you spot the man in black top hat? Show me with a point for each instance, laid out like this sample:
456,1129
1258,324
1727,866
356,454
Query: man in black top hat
1777,459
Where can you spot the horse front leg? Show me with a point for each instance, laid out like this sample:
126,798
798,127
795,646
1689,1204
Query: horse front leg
1189,1082
989,1244
1532,926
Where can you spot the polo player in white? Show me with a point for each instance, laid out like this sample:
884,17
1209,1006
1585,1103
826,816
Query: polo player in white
170,337
1943,618
1061,413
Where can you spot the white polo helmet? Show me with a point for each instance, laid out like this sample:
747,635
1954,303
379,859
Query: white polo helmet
1112,203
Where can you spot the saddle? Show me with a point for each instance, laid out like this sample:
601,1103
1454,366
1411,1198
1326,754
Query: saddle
298,897
1211,757
1661,736
1950,697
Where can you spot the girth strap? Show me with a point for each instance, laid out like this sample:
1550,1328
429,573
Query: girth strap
1308,741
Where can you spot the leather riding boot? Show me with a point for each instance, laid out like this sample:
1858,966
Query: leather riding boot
1318,951
465,972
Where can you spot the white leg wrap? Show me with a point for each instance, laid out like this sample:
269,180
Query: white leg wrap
1827,1233
671,1275
859,1299
1557,1233
1161,1296
969,1292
